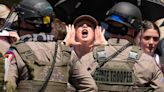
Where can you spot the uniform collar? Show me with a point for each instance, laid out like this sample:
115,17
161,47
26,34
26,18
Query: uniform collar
113,41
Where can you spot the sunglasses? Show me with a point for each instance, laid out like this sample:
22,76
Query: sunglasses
149,37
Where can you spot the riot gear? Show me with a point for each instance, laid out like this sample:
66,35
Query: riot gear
125,13
36,12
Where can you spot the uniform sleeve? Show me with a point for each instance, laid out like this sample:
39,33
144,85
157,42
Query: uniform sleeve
80,78
158,79
148,72
16,71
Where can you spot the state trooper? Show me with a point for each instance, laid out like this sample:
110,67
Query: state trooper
40,64
122,66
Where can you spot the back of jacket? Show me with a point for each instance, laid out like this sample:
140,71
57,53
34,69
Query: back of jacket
31,64
141,72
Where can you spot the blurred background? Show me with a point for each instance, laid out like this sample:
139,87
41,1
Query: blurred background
68,10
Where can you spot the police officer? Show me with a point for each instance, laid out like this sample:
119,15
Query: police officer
122,66
40,64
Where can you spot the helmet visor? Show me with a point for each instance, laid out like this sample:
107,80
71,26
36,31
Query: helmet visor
118,19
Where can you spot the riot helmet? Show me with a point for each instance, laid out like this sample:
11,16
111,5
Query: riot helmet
124,13
36,12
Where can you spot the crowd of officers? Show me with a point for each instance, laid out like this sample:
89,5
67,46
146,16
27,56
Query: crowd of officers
40,53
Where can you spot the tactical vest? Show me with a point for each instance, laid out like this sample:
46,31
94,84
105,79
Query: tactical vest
117,75
37,70
1,71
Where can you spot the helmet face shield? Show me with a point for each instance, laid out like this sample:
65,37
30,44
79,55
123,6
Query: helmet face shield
117,28
39,20
118,19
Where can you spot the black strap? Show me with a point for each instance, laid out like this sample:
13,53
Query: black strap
43,87
115,54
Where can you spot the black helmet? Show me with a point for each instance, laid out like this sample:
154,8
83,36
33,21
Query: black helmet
34,8
126,13
37,12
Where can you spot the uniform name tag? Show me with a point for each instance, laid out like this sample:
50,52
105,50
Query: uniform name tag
114,76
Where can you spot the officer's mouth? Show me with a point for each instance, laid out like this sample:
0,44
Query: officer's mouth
84,33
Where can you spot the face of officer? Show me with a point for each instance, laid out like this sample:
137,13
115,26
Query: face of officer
149,40
85,32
